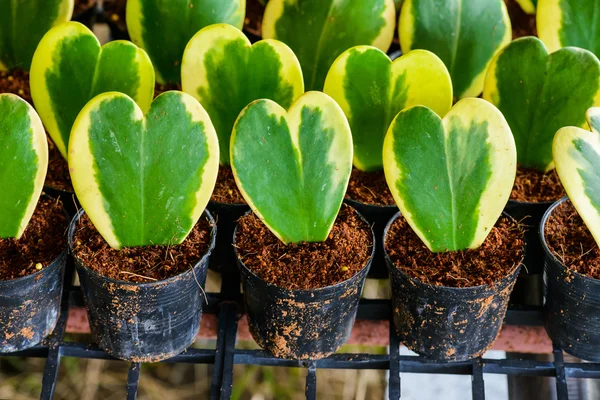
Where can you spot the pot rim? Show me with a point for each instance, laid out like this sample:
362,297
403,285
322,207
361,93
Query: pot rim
232,205
201,261
539,203
307,292
349,201
391,267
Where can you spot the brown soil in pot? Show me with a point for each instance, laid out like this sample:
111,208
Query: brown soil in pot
523,24
570,240
254,16
226,190
140,264
534,186
500,253
58,176
16,81
369,188
300,266
43,240
82,6
160,88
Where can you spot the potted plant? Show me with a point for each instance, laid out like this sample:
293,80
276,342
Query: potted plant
141,248
33,246
539,93
569,233
69,68
319,31
149,20
225,72
371,89
452,261
302,264
465,34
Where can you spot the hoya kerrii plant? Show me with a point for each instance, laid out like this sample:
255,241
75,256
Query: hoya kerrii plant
318,31
164,27
465,34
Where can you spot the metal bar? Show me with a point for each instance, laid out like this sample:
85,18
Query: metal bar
50,376
562,391
228,358
311,382
335,361
133,380
394,384
477,384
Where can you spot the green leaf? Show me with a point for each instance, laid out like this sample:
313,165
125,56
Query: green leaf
69,68
371,89
225,72
23,163
318,31
577,156
465,34
293,168
540,93
528,6
562,23
23,23
143,180
163,28
451,177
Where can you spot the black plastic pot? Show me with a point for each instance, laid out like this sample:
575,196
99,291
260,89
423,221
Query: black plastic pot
572,304
226,216
377,217
445,323
68,199
144,322
301,324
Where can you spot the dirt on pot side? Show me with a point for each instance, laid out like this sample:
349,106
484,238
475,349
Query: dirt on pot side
226,190
369,188
16,81
535,187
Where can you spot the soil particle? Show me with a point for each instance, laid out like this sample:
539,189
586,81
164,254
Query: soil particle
16,81
58,176
226,190
369,188
535,187
500,253
522,23
160,88
254,16
571,242
140,264
300,266
43,240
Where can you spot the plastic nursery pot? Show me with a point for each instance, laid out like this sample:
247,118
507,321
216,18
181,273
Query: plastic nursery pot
226,216
572,304
301,324
446,323
68,198
377,217
143,322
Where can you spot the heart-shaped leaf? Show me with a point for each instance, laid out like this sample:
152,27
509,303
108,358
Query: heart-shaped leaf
577,156
23,163
528,6
143,180
562,23
450,177
318,31
540,93
465,34
23,23
163,28
293,168
225,72
69,68
371,89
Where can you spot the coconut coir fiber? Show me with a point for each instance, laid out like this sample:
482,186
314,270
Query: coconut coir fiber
534,186
16,81
43,240
501,252
226,190
140,264
369,188
299,266
571,242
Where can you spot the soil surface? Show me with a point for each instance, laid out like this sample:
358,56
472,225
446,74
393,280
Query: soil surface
299,266
522,23
43,240
16,81
254,16
501,252
535,187
114,10
571,242
140,264
58,176
369,188
160,88
226,190
82,6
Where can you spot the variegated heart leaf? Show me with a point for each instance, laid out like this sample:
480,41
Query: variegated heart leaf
164,27
293,168
562,23
70,67
371,89
225,73
540,93
465,34
577,157
23,23
450,177
318,31
23,164
143,179
528,6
